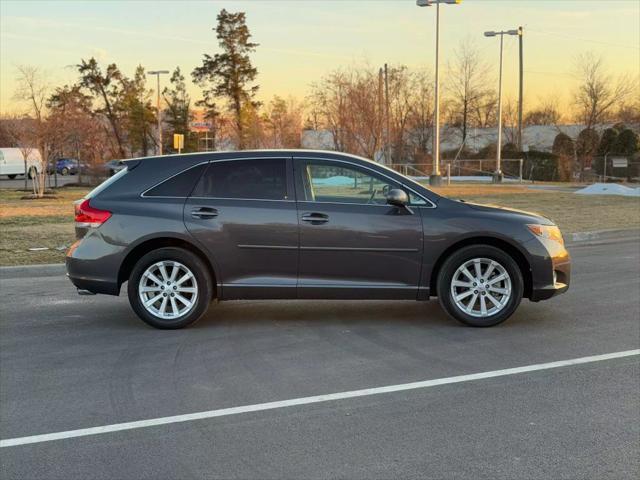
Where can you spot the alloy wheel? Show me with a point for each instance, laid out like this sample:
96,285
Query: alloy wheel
481,287
168,290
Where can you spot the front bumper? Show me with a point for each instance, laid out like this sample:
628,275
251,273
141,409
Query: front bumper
552,275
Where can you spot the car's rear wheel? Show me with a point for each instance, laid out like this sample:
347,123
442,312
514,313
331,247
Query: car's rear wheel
170,288
480,285
11,177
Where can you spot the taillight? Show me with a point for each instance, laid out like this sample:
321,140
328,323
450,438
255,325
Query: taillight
87,216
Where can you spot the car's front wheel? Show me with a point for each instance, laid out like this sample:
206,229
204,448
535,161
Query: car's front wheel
480,285
170,288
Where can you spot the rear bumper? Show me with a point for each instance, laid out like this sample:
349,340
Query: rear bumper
90,267
84,280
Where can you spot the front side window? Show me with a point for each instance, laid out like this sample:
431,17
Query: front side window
326,182
264,179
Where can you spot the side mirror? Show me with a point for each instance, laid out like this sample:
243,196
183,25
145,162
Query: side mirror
397,198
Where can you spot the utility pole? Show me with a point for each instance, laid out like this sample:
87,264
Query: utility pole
381,112
521,90
157,73
387,149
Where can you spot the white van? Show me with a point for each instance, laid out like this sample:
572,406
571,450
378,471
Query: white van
12,162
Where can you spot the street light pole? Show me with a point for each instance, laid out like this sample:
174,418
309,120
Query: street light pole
497,175
157,73
435,178
521,88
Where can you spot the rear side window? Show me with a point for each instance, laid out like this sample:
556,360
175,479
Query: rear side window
179,185
109,181
249,179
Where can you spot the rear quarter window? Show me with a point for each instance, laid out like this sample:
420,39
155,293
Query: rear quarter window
179,185
109,181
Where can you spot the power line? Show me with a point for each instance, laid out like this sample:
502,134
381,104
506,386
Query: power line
566,35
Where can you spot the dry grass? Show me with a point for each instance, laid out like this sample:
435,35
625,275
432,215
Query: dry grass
27,224
49,223
572,213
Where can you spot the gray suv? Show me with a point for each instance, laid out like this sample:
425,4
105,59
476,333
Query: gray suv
182,230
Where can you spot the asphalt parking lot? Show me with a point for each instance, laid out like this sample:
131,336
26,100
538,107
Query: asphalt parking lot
70,362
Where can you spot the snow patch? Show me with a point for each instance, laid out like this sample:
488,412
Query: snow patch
609,189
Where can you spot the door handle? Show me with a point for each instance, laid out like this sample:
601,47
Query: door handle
315,218
204,212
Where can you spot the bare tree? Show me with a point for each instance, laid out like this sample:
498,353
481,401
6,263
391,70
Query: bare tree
420,130
283,123
467,87
331,101
349,104
510,121
547,112
32,91
598,92
21,134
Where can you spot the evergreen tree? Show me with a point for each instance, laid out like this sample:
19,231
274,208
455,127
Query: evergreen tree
105,86
139,113
178,113
564,149
626,144
230,74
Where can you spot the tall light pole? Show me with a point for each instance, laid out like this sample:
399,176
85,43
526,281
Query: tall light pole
435,178
497,175
520,89
157,73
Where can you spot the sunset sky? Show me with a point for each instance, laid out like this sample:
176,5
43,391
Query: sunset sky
302,40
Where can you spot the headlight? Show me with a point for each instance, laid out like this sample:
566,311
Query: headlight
550,232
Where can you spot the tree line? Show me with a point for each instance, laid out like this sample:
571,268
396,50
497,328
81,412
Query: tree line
364,110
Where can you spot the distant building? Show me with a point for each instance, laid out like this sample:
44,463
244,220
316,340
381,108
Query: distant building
534,137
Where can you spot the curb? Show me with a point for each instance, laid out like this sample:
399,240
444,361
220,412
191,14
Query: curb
577,239
45,270
603,236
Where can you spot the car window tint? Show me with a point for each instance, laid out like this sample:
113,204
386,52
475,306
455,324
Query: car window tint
333,183
178,186
250,179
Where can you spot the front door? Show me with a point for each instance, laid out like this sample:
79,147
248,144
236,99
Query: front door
352,244
243,212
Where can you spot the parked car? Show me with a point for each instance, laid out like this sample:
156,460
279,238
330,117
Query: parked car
114,166
67,166
185,229
12,162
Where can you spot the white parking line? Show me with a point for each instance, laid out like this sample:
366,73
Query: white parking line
189,417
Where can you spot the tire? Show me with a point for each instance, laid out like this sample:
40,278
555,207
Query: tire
64,171
188,263
506,292
32,173
11,177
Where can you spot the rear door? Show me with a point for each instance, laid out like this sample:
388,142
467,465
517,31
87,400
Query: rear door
243,212
352,244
